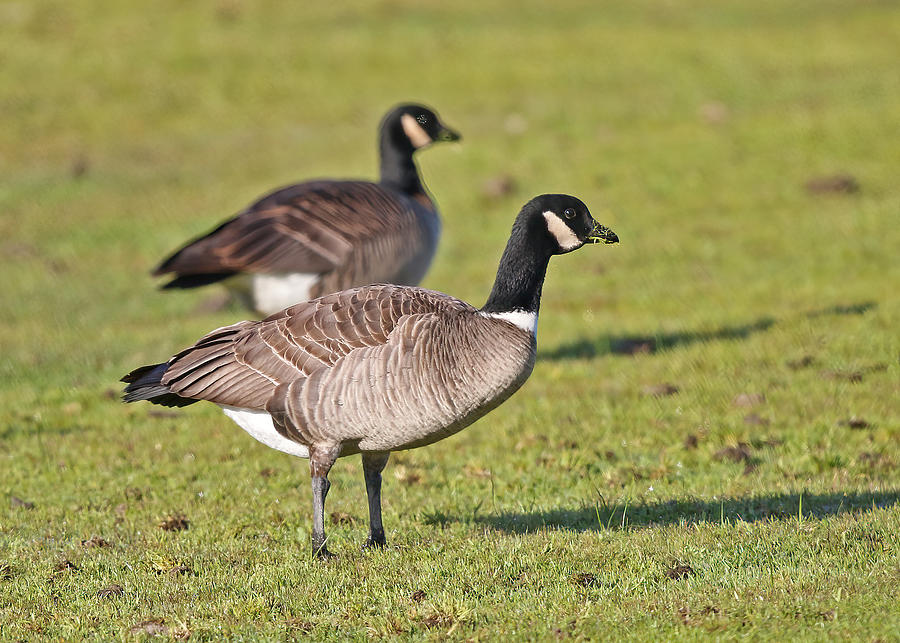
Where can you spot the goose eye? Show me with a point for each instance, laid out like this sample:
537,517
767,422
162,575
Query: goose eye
569,213
422,119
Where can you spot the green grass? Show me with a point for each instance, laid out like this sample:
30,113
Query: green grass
690,128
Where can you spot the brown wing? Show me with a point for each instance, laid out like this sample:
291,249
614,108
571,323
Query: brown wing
241,365
435,374
309,227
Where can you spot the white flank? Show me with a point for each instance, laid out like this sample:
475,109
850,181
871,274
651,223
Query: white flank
259,425
414,132
272,293
523,319
566,239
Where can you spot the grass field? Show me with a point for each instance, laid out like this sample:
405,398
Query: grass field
710,440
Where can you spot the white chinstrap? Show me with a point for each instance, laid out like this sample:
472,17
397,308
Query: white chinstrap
524,319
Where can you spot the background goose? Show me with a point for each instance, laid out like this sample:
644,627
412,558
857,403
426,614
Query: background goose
309,239
379,368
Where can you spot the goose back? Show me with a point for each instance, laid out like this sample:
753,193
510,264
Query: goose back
337,234
369,369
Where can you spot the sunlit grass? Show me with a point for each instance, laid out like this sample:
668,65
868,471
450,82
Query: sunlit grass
709,442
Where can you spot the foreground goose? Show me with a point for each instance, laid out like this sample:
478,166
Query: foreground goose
379,368
310,239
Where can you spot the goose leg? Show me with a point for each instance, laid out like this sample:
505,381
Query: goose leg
320,462
373,465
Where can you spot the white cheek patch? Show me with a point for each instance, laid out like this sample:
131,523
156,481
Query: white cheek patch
414,132
564,236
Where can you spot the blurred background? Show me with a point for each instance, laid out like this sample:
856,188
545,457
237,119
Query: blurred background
744,153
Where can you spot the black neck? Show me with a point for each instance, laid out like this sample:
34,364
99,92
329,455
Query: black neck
520,276
398,170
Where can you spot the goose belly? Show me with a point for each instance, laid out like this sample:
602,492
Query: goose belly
259,424
396,405
272,293
415,421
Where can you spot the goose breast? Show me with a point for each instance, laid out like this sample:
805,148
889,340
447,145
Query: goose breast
436,374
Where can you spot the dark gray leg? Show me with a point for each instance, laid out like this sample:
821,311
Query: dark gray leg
320,462
373,465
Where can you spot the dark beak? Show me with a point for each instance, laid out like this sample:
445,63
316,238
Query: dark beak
447,134
601,233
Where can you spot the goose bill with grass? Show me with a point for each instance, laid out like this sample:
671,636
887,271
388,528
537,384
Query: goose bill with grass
313,238
379,368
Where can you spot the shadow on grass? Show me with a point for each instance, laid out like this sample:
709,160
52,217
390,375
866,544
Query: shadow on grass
680,512
637,344
645,344
850,309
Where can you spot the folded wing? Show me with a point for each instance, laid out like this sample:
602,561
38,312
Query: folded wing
242,364
306,228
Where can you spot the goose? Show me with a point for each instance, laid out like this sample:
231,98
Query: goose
378,368
321,236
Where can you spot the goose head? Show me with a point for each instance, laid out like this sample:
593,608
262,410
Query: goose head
413,127
565,223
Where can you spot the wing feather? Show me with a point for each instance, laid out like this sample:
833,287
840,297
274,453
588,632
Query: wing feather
241,365
310,228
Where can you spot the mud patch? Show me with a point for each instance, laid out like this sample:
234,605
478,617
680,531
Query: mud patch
498,187
713,112
634,346
112,591
739,452
406,476
473,471
801,362
679,571
841,183
584,579
848,376
877,461
153,627
341,518
755,419
299,624
95,542
80,166
64,565
691,618
438,619
746,400
660,390
22,504
175,522
180,570
856,423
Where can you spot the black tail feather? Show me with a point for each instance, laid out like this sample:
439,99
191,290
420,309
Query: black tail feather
195,281
145,383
